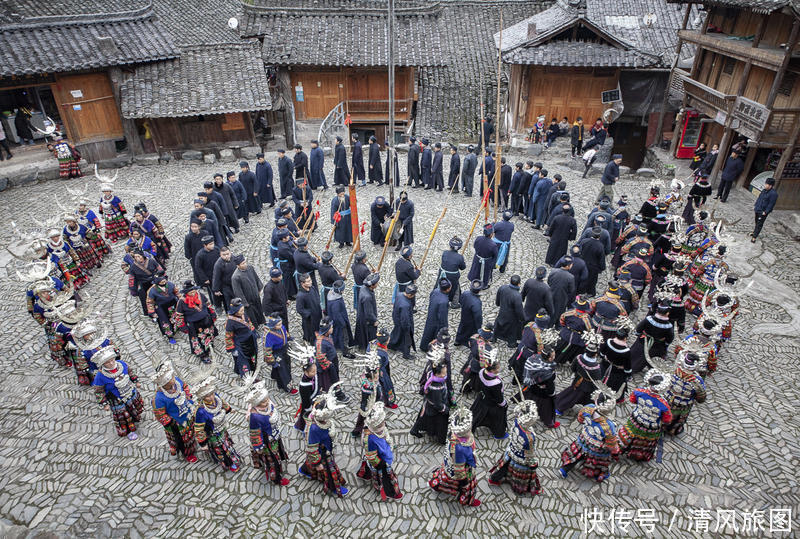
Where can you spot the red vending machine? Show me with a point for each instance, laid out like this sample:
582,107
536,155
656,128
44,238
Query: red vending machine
690,135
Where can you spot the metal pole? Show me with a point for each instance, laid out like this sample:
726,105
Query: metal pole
390,52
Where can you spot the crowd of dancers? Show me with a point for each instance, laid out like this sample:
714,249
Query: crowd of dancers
665,268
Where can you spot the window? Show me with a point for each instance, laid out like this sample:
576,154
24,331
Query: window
789,79
729,65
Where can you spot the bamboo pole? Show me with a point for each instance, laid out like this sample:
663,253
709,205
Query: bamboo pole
484,202
387,238
482,158
438,221
497,164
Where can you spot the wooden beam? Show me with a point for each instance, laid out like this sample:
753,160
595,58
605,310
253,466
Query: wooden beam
128,125
787,154
790,45
748,163
723,153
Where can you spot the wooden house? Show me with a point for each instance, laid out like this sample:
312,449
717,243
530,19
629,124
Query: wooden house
743,84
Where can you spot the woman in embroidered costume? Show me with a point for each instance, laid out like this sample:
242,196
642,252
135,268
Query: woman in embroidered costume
266,445
62,346
617,361
94,230
77,238
479,344
703,270
241,339
376,464
434,415
63,256
686,388
587,370
137,240
141,267
456,475
162,298
197,315
518,463
385,378
657,331
157,235
174,409
320,431
276,353
113,212
147,229
309,389
211,427
371,391
597,441
490,409
68,158
639,436
442,341
89,336
116,387
43,296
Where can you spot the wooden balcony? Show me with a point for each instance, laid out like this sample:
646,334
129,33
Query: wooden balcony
780,125
377,110
763,56
704,98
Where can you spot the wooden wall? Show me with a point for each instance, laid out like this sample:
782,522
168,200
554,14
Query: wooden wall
558,92
199,132
87,107
324,89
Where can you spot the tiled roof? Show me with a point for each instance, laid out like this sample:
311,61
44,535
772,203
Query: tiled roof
198,22
579,53
207,79
619,23
76,41
759,6
337,33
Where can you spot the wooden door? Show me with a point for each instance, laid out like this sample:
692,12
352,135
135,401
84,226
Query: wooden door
87,106
570,93
320,93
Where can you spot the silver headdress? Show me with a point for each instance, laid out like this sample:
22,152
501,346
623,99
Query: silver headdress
593,339
258,393
370,361
658,363
165,373
461,422
490,357
206,387
691,357
656,184
303,354
550,337
676,184
324,407
526,414
106,182
664,292
657,381
70,312
376,417
89,333
605,398
103,355
27,249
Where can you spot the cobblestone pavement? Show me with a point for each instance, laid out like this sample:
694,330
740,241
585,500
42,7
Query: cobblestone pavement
66,471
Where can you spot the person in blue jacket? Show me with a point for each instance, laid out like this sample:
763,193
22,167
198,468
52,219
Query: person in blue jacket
376,465
764,205
438,308
540,201
502,237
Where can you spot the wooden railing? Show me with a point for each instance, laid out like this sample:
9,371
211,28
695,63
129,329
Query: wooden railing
762,55
712,98
402,107
780,125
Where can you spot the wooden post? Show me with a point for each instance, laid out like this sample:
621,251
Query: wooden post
660,124
776,83
498,144
128,125
787,154
748,163
723,152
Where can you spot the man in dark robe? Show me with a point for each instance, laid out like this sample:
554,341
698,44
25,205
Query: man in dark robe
360,271
264,181
578,269
300,164
451,267
192,242
222,200
316,167
247,286
455,168
502,237
425,163
402,337
308,308
413,163
379,211
561,231
274,298
562,287
250,184
375,174
221,278
231,201
285,168
405,272
359,174
530,170
506,172
241,196
286,249
337,311
537,295
468,171
367,312
204,262
438,307
303,198
510,315
437,176
485,257
219,216
405,220
327,276
489,166
471,313
340,218
593,252
305,262
341,174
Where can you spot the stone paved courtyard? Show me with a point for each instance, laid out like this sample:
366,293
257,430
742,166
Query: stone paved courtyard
65,471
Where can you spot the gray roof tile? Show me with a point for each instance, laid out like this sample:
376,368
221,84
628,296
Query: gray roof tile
207,79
